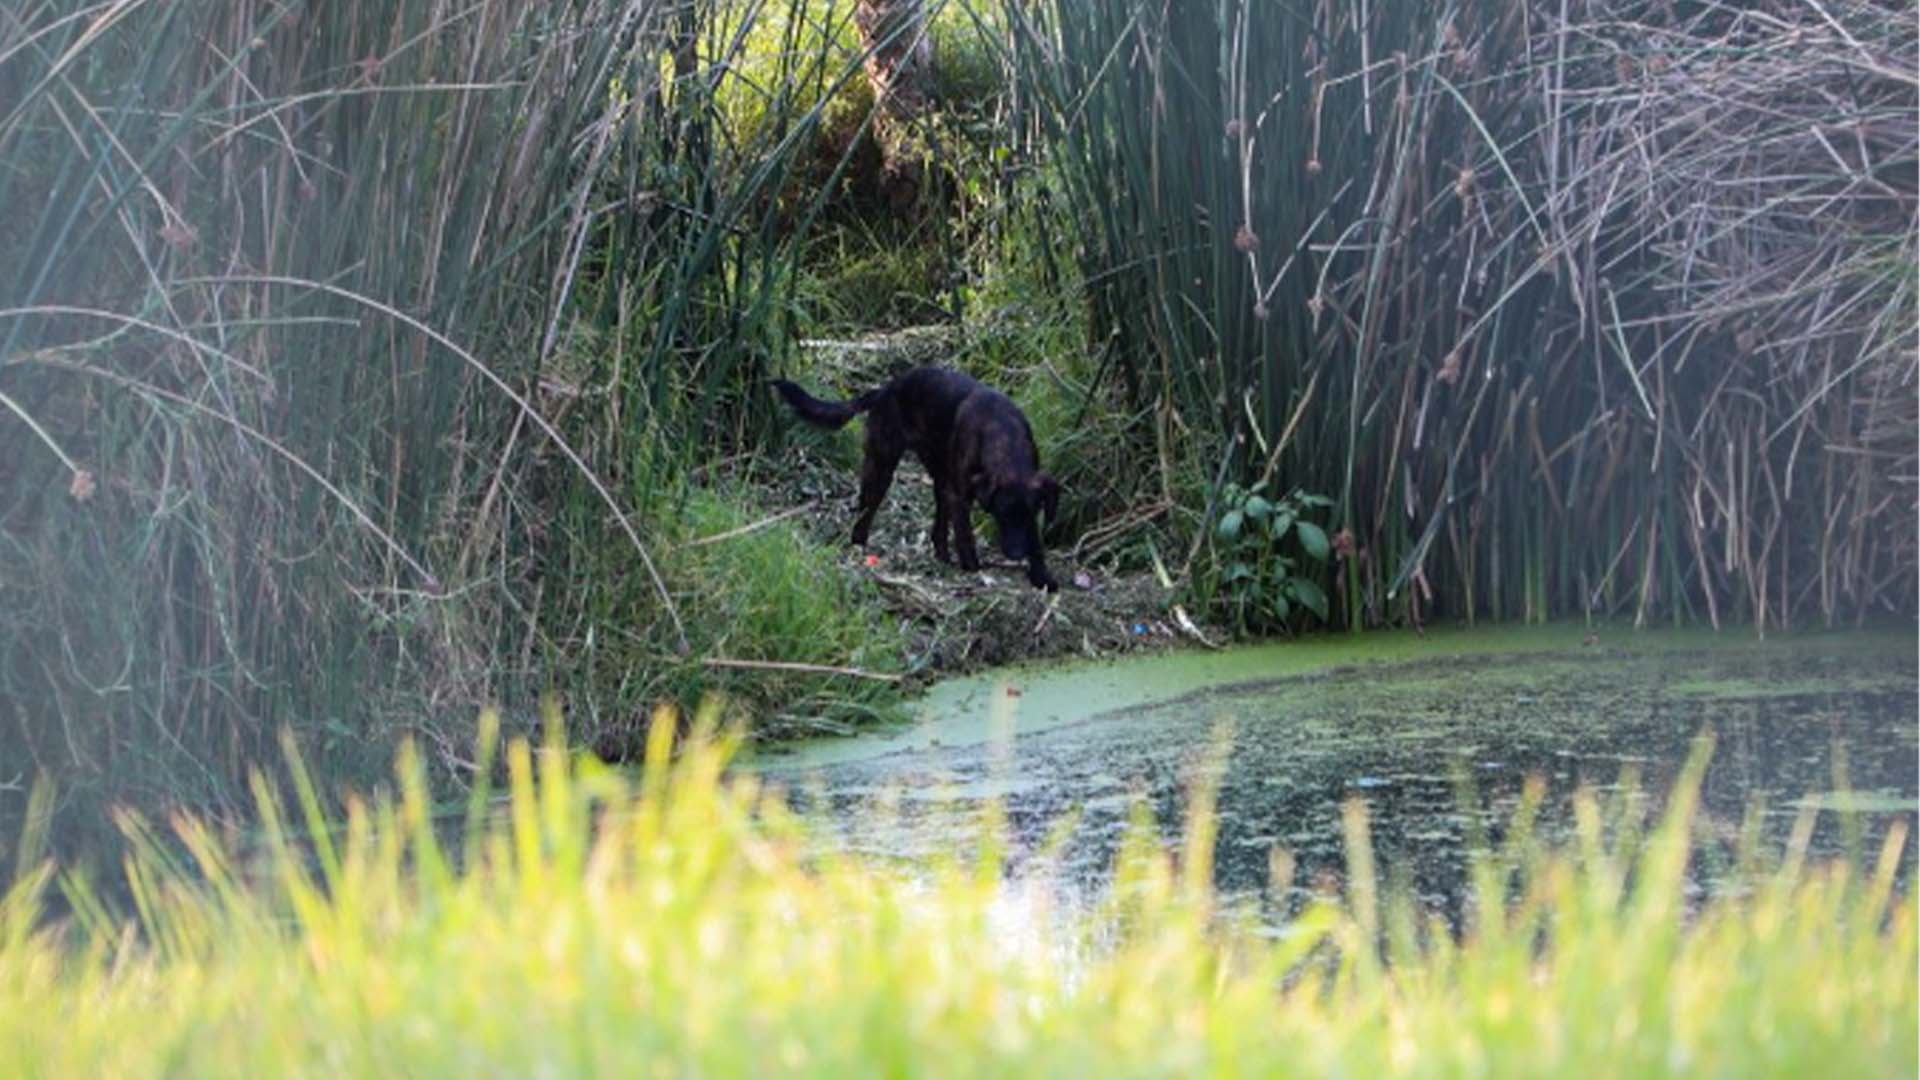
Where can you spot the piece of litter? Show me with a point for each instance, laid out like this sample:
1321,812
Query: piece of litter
1082,580
1186,623
873,560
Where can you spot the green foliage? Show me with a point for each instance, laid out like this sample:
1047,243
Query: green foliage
767,593
867,264
970,79
351,359
1268,558
856,282
750,49
362,356
606,923
269,311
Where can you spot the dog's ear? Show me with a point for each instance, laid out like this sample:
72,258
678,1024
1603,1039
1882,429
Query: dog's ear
1047,490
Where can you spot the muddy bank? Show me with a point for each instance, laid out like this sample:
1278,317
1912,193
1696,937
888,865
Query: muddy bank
959,621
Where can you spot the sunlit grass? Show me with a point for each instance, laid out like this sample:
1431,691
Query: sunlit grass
682,922
769,594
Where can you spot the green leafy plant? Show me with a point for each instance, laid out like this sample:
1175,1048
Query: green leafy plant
1266,552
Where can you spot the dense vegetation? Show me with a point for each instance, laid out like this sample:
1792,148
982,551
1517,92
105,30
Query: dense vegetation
678,923
363,363
1575,309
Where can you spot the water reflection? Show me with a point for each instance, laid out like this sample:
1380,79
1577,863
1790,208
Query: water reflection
1793,728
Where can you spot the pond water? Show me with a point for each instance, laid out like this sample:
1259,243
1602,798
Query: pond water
1825,721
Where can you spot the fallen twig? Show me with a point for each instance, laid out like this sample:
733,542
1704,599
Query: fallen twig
1052,606
754,527
1187,624
789,665
1104,533
919,593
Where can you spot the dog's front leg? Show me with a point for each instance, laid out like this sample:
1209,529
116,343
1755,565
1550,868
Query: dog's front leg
961,519
1037,575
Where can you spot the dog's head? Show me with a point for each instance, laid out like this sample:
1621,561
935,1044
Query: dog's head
1016,508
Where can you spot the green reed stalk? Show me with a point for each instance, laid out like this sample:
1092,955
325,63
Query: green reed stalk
304,364
1494,234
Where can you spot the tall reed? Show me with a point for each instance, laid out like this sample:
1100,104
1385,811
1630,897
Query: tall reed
348,354
1576,311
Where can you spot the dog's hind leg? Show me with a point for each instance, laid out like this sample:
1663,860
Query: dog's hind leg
876,476
942,518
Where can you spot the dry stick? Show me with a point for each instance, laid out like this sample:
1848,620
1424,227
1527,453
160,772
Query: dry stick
1606,579
754,527
789,665
1646,576
526,407
1053,605
1200,534
1706,580
575,246
1104,533
96,29
188,340
494,488
170,214
926,599
1188,626
293,102
34,426
1293,424
1366,68
1263,295
577,240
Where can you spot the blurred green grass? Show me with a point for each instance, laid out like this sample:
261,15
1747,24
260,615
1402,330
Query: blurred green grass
682,922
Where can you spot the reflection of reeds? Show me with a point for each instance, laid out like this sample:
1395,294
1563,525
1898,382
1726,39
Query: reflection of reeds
602,922
1607,311
321,325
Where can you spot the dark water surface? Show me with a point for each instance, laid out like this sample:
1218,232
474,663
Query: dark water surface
1825,721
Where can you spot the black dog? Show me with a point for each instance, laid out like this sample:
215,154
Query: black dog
976,445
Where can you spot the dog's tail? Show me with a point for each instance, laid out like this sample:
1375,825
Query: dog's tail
826,414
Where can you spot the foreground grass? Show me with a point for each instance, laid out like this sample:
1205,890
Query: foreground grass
683,923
